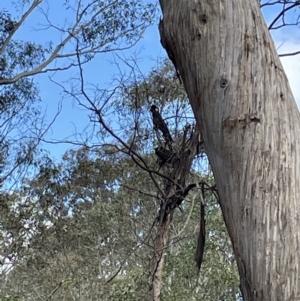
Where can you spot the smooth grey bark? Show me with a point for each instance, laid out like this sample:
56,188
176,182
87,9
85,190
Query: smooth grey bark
251,129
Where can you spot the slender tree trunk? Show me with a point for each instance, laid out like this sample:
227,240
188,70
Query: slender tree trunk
175,190
250,123
160,246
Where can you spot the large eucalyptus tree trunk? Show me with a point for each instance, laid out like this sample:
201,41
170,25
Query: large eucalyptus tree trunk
250,124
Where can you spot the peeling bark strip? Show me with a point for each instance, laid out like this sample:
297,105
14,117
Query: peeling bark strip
255,159
201,237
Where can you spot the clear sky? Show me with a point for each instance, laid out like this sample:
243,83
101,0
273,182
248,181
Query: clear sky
100,71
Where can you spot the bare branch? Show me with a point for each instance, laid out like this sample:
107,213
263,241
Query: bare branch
18,24
271,3
297,3
289,54
76,29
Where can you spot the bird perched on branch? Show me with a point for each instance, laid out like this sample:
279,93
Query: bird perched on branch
164,155
159,124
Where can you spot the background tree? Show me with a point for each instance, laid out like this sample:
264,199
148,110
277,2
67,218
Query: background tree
171,183
93,27
87,222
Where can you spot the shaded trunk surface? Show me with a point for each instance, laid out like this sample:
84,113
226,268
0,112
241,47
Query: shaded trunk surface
160,246
250,125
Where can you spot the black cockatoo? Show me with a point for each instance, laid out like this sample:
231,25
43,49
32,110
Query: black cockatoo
159,124
164,155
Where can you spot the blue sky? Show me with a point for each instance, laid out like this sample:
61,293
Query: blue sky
100,71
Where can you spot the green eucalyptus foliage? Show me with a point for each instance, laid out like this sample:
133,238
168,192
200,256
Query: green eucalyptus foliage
83,228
